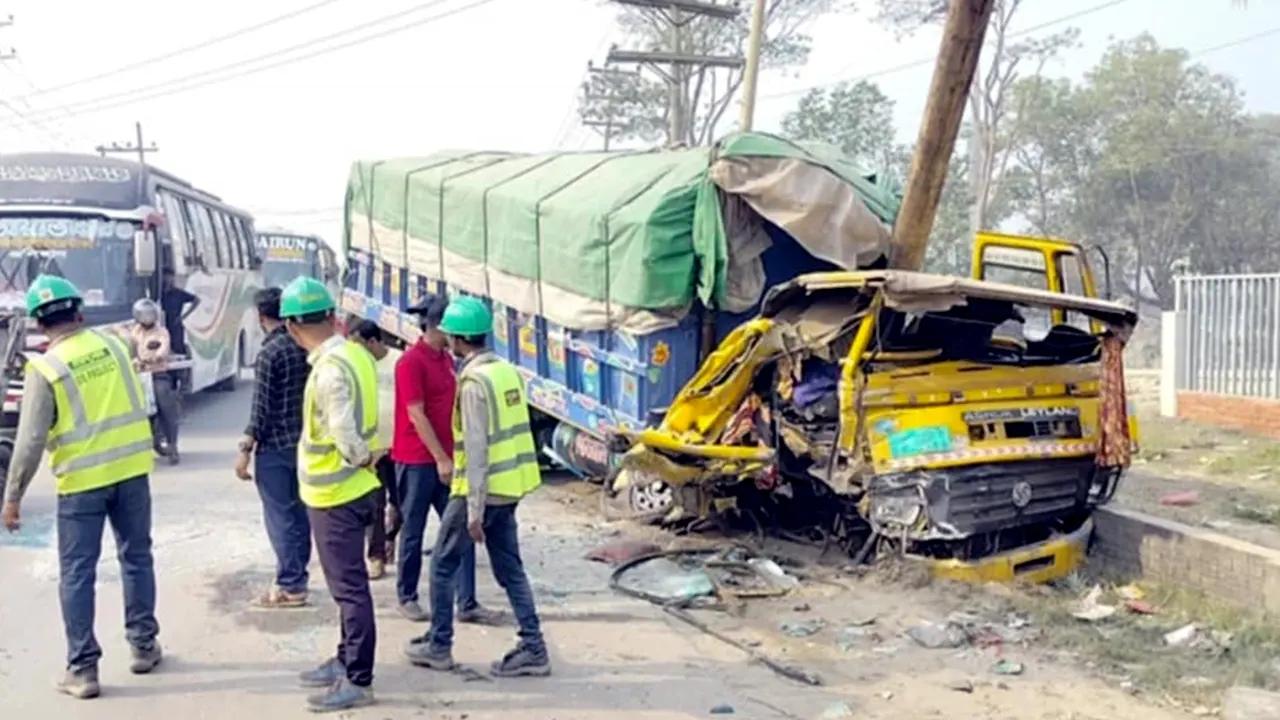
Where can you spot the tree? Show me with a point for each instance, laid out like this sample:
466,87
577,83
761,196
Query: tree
1165,133
991,99
639,106
857,117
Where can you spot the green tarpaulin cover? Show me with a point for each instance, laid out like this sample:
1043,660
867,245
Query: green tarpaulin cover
598,239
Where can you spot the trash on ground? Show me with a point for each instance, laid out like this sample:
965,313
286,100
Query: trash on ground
1008,667
773,571
722,710
1131,592
964,686
802,607
621,551
667,580
886,695
1182,637
838,710
1140,607
1091,608
938,636
851,636
1181,499
803,628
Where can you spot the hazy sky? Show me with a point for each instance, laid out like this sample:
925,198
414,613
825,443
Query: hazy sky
502,75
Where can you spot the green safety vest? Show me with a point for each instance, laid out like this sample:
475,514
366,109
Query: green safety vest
325,479
102,435
513,459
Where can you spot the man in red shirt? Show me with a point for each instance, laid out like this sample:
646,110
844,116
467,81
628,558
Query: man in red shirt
422,449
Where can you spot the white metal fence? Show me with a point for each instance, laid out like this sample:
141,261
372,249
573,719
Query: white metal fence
1229,341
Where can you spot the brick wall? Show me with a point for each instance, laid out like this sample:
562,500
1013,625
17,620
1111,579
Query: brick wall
1134,544
1238,413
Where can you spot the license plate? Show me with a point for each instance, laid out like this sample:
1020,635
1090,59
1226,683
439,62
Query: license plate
920,441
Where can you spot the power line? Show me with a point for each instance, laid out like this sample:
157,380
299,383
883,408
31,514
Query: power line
171,87
187,49
922,62
55,134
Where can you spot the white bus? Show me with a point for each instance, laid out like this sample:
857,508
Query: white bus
122,231
286,255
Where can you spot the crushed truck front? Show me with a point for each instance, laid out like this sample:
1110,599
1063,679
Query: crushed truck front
928,403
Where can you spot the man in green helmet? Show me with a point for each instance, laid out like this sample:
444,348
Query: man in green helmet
337,453
495,465
82,400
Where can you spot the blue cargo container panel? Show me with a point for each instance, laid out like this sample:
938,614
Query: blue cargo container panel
598,381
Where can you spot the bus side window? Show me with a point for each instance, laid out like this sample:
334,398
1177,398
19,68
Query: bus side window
179,233
225,259
251,243
233,248
245,244
204,232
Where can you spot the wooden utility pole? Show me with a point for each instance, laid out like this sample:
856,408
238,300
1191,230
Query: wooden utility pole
949,92
607,124
751,75
137,146
677,66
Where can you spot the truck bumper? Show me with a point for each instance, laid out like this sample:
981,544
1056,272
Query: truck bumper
1042,562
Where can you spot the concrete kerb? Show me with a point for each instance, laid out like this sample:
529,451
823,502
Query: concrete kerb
1238,573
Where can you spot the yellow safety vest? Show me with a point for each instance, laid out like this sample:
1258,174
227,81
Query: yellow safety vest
325,479
101,435
513,459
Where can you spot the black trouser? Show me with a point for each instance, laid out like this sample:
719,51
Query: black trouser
165,423
380,535
340,537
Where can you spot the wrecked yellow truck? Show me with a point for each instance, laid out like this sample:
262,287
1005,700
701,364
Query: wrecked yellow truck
974,423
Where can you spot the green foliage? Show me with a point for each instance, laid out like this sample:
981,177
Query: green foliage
856,117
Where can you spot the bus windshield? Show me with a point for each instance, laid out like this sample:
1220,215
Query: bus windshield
286,257
94,253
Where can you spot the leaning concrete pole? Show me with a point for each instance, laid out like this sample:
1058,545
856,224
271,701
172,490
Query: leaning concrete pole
948,94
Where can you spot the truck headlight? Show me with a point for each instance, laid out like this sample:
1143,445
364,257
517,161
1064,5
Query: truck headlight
902,511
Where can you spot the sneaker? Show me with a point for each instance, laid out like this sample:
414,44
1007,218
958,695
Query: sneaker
146,659
330,672
413,612
341,695
422,653
377,569
279,598
480,615
80,684
522,662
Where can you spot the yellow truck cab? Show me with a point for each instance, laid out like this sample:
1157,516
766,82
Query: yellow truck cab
971,422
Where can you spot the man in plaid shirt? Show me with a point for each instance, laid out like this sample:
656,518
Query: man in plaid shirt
271,442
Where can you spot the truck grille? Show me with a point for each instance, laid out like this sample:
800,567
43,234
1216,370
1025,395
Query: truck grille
992,497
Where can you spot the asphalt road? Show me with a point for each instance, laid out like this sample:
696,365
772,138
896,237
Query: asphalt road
614,657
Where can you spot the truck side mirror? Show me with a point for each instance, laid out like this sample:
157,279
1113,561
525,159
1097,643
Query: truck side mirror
144,253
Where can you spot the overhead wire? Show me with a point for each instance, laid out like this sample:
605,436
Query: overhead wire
186,50
176,86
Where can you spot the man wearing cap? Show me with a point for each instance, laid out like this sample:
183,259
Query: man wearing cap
82,400
337,453
495,465
422,448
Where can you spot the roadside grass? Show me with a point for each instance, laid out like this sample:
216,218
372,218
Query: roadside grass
1231,647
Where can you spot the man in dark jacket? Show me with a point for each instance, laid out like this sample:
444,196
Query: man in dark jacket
271,442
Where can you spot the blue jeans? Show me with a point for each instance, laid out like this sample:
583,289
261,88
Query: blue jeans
420,490
501,541
81,518
285,516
